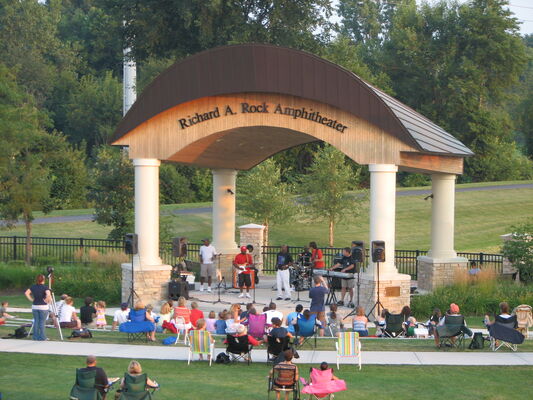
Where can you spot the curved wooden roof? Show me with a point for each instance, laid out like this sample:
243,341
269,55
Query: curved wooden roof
260,68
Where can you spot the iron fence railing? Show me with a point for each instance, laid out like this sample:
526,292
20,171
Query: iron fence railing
73,250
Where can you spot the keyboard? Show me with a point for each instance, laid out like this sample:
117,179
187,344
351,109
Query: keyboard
332,274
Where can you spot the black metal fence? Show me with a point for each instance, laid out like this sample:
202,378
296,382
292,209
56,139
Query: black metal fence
76,250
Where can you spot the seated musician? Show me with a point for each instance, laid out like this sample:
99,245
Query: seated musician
304,258
346,265
243,263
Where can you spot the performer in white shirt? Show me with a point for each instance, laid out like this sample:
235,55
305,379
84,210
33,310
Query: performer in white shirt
208,254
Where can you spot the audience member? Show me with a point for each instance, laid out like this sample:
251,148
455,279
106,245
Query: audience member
324,366
360,322
234,315
101,382
504,313
434,320
3,313
452,311
241,330
100,315
135,369
317,295
165,314
277,331
68,317
196,314
293,317
182,311
381,323
87,313
210,322
244,314
121,315
272,313
286,374
334,321
40,296
139,315
220,324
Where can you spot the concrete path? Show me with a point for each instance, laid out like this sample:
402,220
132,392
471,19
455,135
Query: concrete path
81,348
201,210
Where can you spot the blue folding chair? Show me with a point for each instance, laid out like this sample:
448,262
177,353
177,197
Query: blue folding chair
306,329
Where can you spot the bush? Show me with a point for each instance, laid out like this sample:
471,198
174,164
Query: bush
102,282
519,250
473,298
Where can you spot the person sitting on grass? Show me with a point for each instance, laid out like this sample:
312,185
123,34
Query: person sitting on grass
68,317
121,316
220,324
100,315
381,323
164,316
210,322
360,322
335,324
135,369
434,321
3,313
285,375
87,313
196,314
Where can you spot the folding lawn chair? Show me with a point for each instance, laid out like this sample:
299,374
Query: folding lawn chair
200,342
321,385
276,347
394,326
256,325
238,348
503,333
452,333
348,345
524,317
284,380
84,388
137,327
136,388
181,329
306,329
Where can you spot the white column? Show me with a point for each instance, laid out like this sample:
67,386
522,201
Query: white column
383,213
224,210
129,94
442,216
147,211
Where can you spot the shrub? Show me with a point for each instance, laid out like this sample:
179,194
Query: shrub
519,250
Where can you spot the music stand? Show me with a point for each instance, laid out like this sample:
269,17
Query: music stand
222,281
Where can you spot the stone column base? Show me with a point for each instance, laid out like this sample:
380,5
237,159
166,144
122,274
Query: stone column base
151,282
433,273
394,292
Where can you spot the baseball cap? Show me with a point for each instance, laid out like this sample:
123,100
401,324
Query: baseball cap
243,248
205,240
124,306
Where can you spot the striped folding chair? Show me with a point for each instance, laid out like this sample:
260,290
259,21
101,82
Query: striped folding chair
348,345
200,342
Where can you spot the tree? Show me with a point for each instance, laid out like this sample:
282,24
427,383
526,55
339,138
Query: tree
262,196
112,190
173,186
325,189
519,250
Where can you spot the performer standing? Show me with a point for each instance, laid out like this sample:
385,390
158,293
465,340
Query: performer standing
208,254
346,265
317,258
284,261
243,264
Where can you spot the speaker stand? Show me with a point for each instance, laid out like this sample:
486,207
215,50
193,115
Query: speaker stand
378,302
133,293
219,286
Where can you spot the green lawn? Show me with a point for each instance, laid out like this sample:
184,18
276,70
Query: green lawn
46,377
481,217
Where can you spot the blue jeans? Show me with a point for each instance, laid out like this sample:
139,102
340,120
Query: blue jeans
39,320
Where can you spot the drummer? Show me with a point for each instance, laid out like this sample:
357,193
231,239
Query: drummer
346,265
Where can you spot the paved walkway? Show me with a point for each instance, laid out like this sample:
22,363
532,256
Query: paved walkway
81,348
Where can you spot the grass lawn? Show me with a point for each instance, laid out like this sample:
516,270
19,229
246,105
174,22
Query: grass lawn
46,377
481,217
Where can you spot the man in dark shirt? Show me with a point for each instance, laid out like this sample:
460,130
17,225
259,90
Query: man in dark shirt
284,261
347,265
317,295
101,382
87,313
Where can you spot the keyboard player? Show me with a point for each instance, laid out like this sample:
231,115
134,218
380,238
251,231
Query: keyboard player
346,265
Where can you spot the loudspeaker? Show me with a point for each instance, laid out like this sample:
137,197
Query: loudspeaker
176,247
131,243
358,252
378,251
177,289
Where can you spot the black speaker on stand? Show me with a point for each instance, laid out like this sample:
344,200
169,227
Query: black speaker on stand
378,256
178,289
358,258
131,247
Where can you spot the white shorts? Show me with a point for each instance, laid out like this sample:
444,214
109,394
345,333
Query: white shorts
207,270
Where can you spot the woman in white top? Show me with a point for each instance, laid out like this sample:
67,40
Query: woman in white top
68,317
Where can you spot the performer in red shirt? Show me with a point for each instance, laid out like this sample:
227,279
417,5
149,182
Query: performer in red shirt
243,264
317,258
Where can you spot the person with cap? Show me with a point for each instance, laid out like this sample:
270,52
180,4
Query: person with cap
120,316
452,311
208,254
243,266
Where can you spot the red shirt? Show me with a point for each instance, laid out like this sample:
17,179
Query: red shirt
196,315
317,255
243,259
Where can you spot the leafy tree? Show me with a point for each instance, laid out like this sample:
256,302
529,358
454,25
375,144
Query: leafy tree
262,196
112,190
325,189
173,186
95,110
519,250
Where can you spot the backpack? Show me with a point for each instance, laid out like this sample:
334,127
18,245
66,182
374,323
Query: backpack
20,333
83,333
477,342
222,358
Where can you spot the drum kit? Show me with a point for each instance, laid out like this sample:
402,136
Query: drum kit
300,276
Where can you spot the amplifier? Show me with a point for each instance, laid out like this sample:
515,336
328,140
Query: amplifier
178,289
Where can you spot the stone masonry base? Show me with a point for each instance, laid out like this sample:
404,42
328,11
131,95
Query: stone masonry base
394,292
434,273
151,283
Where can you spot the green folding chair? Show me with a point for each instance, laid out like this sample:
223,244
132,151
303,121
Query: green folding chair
135,388
452,333
84,388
